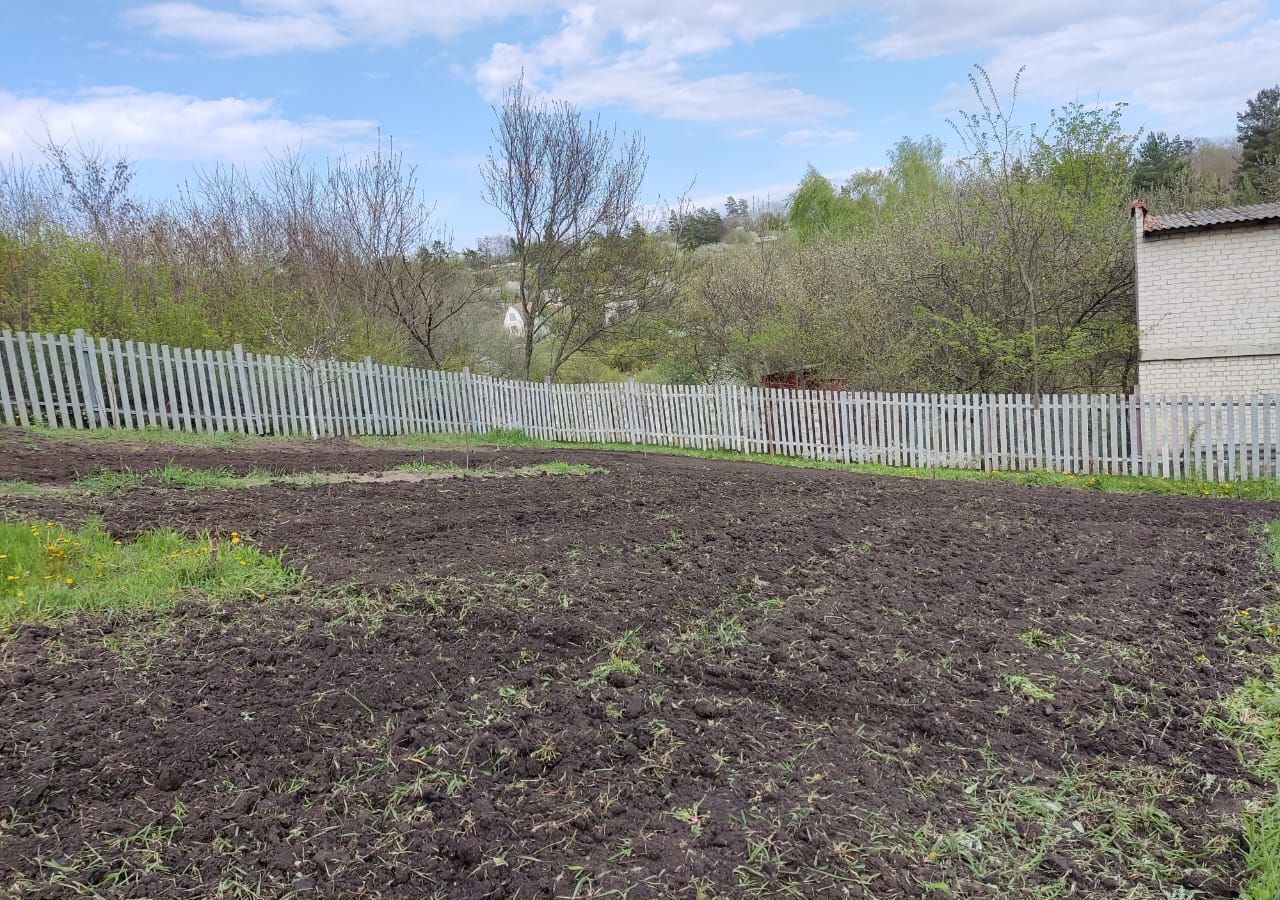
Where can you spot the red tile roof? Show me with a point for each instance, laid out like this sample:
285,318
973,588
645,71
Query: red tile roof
1209,218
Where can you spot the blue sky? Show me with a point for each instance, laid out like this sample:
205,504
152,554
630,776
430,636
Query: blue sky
732,96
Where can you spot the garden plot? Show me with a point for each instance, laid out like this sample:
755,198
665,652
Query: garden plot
670,678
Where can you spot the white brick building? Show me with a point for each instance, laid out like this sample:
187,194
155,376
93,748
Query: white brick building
1208,286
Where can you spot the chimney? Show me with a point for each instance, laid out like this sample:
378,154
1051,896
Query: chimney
1138,212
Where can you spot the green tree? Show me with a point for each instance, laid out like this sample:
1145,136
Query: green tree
915,177
1258,129
1163,163
1046,250
695,228
818,210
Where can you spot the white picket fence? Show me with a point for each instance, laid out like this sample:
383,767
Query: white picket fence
75,381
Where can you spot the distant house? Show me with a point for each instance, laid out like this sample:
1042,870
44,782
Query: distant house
513,321
1208,285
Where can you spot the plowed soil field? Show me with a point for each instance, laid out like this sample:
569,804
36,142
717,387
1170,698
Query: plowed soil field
672,678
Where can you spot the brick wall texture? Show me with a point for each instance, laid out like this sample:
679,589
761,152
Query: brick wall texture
1213,294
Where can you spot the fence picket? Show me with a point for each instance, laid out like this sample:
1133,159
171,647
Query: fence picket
11,383
28,375
74,381
63,366
83,374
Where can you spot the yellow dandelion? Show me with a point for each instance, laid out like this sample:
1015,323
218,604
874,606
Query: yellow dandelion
70,581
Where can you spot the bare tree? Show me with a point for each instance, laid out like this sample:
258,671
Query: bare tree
273,238
96,186
28,201
566,187
392,256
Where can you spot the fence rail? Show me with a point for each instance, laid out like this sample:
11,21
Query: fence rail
76,381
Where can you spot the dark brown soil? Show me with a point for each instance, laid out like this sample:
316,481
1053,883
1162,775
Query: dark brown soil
678,678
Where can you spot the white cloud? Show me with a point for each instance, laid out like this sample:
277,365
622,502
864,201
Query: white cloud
276,26
650,74
818,137
166,126
1189,68
921,29
661,90
267,26
1180,60
235,31
627,52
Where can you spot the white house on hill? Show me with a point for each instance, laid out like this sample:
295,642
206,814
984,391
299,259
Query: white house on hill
513,321
1208,285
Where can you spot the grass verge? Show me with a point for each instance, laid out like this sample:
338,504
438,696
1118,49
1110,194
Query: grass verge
48,572
1251,718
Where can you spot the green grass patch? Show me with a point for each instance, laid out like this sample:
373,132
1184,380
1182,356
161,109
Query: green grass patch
1108,823
16,487
1251,719
108,481
494,439
48,572
175,475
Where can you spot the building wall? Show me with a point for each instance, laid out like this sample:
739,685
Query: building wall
1209,311
1238,376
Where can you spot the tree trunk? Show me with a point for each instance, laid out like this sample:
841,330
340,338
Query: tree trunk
528,347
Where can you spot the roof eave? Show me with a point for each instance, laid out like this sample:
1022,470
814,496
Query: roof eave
1209,226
